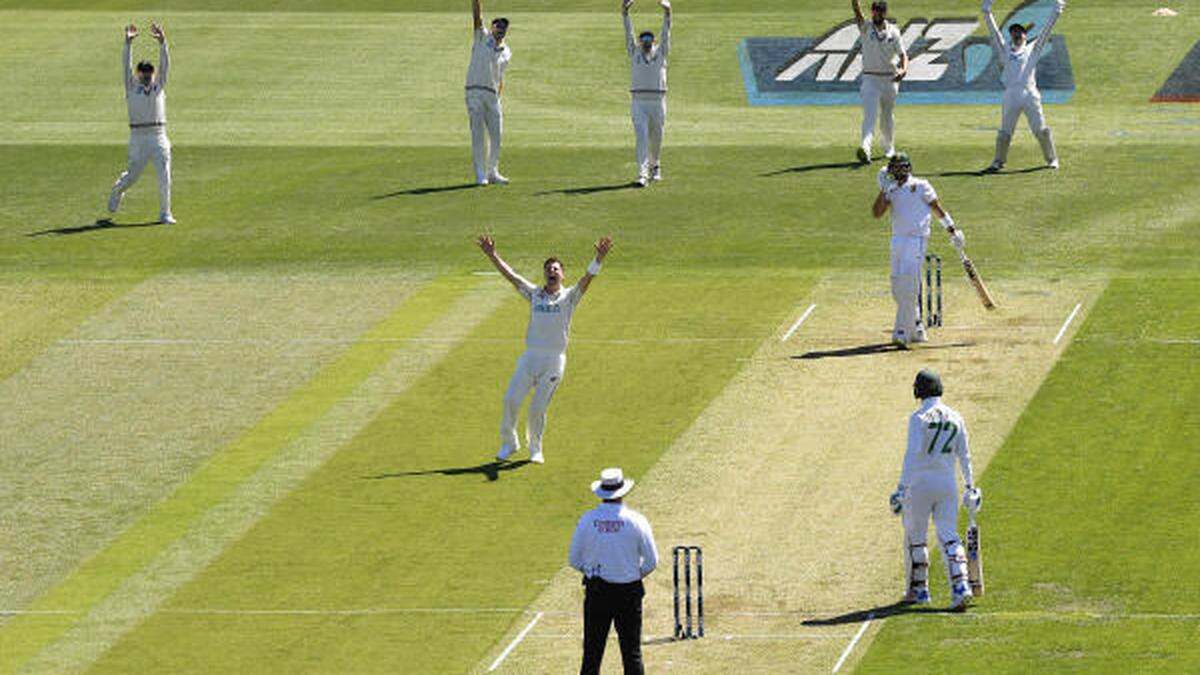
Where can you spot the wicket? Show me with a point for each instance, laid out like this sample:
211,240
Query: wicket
684,553
933,266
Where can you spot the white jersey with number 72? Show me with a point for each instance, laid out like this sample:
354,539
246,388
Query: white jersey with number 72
937,438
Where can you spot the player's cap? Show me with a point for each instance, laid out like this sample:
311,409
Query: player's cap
880,5
500,22
927,384
900,159
1021,27
145,67
646,35
612,484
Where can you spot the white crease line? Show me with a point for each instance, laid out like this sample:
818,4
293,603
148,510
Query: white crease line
383,340
516,641
652,639
1067,322
799,321
850,647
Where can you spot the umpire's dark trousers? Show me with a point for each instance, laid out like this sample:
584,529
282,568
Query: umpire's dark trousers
606,604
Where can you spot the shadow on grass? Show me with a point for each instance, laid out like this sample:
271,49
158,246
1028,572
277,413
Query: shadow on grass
102,224
982,173
428,190
880,348
491,470
631,185
815,167
881,612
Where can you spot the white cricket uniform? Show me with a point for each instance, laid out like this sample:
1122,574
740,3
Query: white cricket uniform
615,543
937,439
542,365
1021,95
911,215
882,50
648,93
148,140
485,77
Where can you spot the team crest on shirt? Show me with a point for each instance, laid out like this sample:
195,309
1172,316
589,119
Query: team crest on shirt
948,63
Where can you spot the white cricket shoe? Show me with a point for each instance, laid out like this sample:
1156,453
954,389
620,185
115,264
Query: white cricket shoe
481,182
506,451
994,167
864,155
536,457
166,218
114,201
960,597
496,179
920,337
916,597
1053,164
641,181
656,173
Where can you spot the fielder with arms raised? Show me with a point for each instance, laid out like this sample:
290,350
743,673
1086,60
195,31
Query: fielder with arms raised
485,82
884,64
541,367
146,98
648,88
912,201
937,437
1021,95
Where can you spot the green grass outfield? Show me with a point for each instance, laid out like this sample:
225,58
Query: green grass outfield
258,440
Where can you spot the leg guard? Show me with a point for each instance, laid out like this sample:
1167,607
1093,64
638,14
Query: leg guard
1047,142
917,560
955,559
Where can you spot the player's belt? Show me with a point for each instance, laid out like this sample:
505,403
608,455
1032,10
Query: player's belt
147,124
476,86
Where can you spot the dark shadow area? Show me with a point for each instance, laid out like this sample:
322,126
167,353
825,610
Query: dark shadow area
489,469
102,224
880,348
428,190
659,641
631,185
815,167
882,612
1002,172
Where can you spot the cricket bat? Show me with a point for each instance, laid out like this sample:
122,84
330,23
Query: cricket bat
974,559
984,296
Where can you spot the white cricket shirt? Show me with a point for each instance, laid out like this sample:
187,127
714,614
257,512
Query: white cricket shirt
910,207
615,543
881,48
937,437
488,61
147,105
549,317
648,72
1019,65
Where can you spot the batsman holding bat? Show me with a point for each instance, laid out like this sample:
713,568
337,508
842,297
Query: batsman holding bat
936,437
912,201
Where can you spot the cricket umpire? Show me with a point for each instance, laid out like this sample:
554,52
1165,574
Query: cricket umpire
614,548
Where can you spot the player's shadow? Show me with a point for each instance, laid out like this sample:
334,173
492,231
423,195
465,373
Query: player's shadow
879,348
432,190
102,224
815,167
491,470
1002,172
881,612
592,189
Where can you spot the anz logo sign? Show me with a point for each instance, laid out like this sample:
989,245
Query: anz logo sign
947,63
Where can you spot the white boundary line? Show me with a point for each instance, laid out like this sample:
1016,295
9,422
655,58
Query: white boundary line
516,641
799,321
850,647
1066,323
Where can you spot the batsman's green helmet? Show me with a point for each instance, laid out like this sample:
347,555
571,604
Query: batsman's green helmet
928,383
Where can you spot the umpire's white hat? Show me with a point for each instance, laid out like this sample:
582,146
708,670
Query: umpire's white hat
612,484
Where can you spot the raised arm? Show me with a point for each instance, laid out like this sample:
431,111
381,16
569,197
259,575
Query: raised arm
993,30
523,285
1040,43
602,248
664,40
881,204
630,40
164,58
858,15
477,11
131,32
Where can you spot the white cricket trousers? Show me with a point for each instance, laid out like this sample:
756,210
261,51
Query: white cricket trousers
148,144
908,254
936,495
649,114
879,94
542,372
487,126
1017,101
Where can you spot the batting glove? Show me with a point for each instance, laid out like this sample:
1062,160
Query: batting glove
885,180
957,239
896,501
972,499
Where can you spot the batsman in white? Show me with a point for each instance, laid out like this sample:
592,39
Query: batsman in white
146,98
884,64
913,202
541,367
485,83
937,437
1021,95
648,89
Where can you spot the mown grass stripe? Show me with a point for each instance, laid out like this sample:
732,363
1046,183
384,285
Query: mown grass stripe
166,522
